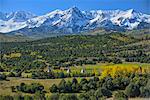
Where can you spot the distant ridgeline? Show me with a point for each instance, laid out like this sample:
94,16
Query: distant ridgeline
71,21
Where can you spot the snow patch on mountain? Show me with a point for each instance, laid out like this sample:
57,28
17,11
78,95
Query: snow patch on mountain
72,20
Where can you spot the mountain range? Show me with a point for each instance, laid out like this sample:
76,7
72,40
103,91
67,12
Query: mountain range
71,21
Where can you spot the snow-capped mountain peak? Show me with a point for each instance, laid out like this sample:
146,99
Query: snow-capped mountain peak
14,21
73,10
18,16
73,20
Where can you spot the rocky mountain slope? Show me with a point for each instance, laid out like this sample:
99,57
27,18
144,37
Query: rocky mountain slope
71,21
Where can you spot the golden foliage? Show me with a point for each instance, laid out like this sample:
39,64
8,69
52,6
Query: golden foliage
116,71
12,55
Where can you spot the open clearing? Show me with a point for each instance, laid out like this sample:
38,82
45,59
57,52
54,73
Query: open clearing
5,86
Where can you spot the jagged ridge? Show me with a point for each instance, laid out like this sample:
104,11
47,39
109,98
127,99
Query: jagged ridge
72,20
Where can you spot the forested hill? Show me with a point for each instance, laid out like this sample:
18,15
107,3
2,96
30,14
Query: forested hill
75,50
8,38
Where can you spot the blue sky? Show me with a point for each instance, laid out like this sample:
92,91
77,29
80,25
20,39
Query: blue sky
40,7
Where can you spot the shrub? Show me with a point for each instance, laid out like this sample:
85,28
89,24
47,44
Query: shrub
69,97
26,97
83,81
53,89
116,61
75,87
6,97
32,88
132,90
11,74
108,83
83,96
141,81
145,92
74,81
2,77
100,92
1,69
12,88
120,95
54,97
61,75
18,97
120,83
62,86
85,87
39,96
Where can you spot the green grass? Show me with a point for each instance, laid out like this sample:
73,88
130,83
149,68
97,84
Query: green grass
6,73
100,66
91,68
5,86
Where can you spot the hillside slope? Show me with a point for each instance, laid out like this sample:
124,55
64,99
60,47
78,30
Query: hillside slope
66,51
8,38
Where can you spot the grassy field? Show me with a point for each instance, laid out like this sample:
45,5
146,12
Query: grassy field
100,66
97,69
5,86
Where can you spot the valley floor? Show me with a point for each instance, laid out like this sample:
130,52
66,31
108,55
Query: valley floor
5,86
